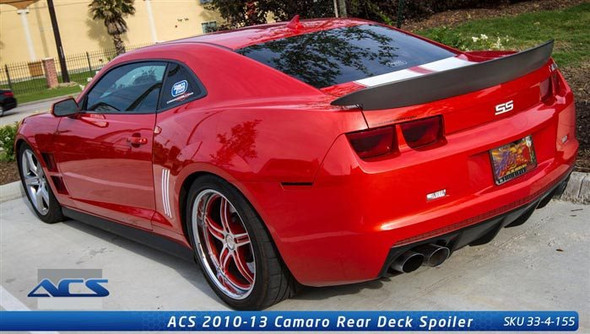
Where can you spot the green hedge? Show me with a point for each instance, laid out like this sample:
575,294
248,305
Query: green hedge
7,136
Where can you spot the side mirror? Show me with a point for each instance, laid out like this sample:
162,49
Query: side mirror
64,108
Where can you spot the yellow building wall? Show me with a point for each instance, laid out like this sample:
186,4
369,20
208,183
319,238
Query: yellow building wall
79,33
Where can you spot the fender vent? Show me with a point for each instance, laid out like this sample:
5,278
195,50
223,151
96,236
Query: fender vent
59,185
49,161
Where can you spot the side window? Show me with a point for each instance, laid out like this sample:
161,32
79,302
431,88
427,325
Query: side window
180,85
132,88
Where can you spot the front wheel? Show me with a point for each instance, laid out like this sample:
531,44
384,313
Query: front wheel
37,187
233,248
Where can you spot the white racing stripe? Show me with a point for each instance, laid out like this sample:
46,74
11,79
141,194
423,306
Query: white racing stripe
446,64
388,77
435,66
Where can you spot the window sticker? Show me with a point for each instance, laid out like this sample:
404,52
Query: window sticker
179,88
180,98
179,92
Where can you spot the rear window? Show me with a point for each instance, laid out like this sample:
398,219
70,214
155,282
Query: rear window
330,57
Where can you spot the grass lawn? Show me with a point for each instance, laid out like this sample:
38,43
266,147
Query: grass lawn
570,28
46,94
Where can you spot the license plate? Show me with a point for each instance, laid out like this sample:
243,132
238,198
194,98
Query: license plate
512,160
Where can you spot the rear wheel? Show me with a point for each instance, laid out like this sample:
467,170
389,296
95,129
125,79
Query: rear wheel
233,248
37,188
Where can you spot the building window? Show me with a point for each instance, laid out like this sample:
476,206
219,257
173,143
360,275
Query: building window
208,27
205,2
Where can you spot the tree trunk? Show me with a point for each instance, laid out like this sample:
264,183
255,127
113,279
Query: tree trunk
342,8
119,46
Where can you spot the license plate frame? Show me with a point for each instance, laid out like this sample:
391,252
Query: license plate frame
513,160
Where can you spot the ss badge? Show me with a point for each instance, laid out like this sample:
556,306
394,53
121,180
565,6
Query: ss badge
504,107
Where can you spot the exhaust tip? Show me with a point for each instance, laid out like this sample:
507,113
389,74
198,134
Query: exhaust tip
438,257
434,255
408,262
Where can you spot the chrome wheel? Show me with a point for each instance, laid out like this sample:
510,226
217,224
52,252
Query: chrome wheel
223,244
35,182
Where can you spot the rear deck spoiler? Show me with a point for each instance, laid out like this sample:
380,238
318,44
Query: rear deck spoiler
444,84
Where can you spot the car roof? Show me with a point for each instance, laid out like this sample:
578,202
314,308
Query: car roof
243,37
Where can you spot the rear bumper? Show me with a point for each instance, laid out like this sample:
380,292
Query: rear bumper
342,229
480,233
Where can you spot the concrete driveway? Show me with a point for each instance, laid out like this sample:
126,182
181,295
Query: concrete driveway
542,265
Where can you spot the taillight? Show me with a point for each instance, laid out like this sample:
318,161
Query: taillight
373,143
551,87
546,90
8,94
423,132
556,83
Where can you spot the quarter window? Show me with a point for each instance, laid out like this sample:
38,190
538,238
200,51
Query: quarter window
132,88
180,86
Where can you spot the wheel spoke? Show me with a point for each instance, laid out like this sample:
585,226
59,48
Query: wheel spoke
32,166
44,194
242,266
241,239
225,215
228,283
215,231
32,181
210,248
212,253
224,257
212,256
223,273
39,200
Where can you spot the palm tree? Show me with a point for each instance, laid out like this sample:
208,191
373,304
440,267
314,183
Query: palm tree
113,13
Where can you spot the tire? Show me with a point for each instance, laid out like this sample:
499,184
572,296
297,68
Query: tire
253,276
36,186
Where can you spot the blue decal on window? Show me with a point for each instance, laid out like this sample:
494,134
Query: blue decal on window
179,88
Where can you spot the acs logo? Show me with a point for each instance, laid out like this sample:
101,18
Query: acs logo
93,286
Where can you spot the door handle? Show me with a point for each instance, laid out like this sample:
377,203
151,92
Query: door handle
136,140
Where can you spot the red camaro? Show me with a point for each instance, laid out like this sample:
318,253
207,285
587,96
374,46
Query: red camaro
319,152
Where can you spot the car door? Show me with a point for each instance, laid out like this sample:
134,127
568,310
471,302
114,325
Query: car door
105,152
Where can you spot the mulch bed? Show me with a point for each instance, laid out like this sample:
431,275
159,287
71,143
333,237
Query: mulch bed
578,80
8,172
583,111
